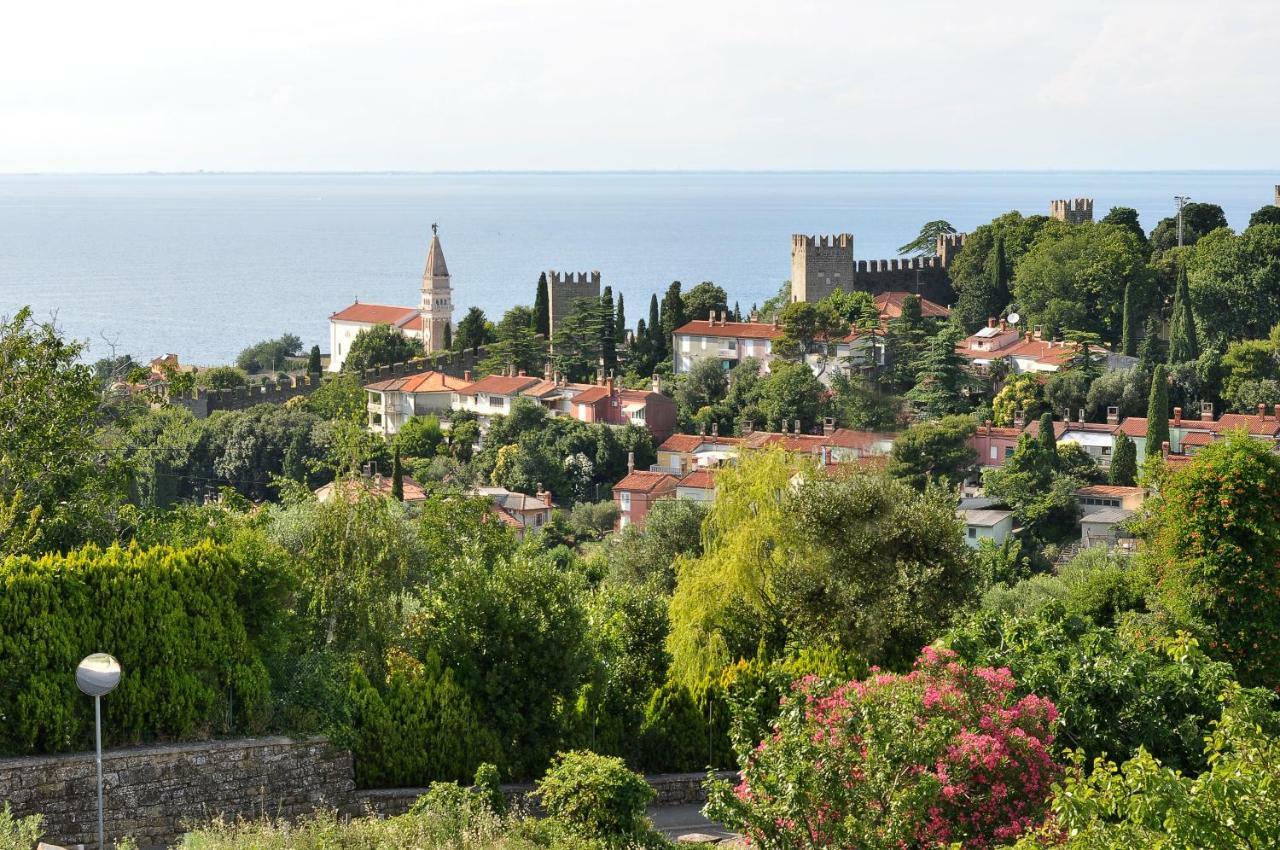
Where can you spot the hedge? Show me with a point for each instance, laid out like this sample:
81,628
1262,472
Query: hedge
171,618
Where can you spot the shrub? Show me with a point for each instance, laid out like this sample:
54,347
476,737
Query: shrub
673,736
169,615
18,833
945,753
487,782
596,796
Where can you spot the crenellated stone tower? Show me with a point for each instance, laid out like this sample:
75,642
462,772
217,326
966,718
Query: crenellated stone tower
1077,211
437,297
820,265
563,289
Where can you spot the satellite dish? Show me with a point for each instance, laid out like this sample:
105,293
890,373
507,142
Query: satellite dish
1014,318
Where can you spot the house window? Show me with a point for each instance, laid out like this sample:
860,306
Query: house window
582,412
995,452
704,343
482,399
1008,451
973,532
500,401
624,502
684,344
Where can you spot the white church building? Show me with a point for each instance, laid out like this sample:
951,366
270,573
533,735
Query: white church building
430,321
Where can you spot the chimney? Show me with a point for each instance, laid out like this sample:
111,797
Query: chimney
748,427
608,385
991,321
1029,336
1066,415
784,426
1004,326
711,316
1206,411
631,462
797,426
544,495
1177,416
1019,419
1080,414
702,429
1164,449
986,425
1262,411
1038,330
828,426
657,382
715,430
1113,416
466,376
521,373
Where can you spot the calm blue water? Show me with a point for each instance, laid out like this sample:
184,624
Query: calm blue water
204,265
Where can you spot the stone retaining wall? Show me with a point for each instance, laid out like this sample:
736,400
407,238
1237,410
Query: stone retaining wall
152,792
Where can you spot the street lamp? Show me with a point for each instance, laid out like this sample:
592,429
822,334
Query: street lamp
1182,202
97,675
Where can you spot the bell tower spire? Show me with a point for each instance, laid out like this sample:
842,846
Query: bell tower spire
437,296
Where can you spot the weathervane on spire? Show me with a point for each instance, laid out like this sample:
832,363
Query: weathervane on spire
434,228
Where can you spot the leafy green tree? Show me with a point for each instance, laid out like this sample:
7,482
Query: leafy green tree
1124,461
660,343
703,299
420,437
1270,214
1022,393
338,398
906,339
1042,497
314,366
673,313
935,452
1127,217
1234,284
1198,220
473,331
971,271
1047,438
1182,327
53,495
1075,277
515,344
397,476
380,345
221,378
857,308
672,529
703,385
862,404
1158,412
577,340
788,393
943,377
926,243
270,355
1215,548
1247,363
542,309
1149,353
807,326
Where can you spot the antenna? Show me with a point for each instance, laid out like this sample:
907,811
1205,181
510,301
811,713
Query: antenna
1014,318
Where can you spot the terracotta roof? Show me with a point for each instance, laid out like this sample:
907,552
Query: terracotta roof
639,396
1133,426
701,479
643,481
1060,427
739,330
1109,490
1254,424
591,395
379,485
499,385
998,431
692,442
376,314
1258,426
427,382
435,260
1198,438
847,438
890,306
506,517
1041,350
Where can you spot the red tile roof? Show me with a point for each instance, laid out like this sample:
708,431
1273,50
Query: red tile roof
692,442
1060,427
1264,426
737,330
427,382
591,395
643,481
1258,426
1109,490
890,306
700,479
376,314
1198,438
998,431
499,385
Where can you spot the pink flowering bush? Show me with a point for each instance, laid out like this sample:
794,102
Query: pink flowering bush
945,754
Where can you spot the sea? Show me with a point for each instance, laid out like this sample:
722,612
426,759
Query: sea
202,265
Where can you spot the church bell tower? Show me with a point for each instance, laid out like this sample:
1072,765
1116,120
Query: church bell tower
437,297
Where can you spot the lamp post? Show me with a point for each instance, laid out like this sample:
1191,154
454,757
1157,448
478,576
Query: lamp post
97,675
1182,202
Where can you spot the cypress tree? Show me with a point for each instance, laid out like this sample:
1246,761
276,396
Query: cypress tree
620,323
737,312
998,273
313,362
1124,462
448,336
672,310
608,338
397,477
1158,411
1149,349
658,347
1129,331
1048,439
1182,327
542,308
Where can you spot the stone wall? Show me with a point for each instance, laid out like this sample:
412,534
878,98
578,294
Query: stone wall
152,792
563,289
822,264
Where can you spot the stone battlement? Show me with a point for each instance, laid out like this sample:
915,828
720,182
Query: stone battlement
822,264
573,278
563,288
841,241
1074,211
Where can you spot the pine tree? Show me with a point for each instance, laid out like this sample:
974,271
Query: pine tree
1129,332
672,310
1158,412
658,345
1048,439
542,308
620,323
1182,326
313,362
397,477
1124,462
737,312
608,335
1149,348
941,376
999,272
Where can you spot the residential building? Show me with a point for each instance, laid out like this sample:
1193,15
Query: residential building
519,512
612,405
728,342
393,402
683,453
492,395
697,486
377,485
428,322
994,444
1027,351
833,445
1100,497
1103,526
636,494
1096,438
985,524
1188,436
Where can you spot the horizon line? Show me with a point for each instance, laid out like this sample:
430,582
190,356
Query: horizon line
633,171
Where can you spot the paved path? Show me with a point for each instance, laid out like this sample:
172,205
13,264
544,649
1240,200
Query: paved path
674,821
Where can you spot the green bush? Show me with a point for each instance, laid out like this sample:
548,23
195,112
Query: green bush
190,667
596,796
18,833
673,736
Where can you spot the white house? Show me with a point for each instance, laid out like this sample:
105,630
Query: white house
986,524
429,321
391,403
728,342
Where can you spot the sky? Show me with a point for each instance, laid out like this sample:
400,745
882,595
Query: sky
423,85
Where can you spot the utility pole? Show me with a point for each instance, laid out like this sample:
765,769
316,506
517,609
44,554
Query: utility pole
1182,202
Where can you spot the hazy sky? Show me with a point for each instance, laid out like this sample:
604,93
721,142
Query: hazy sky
563,84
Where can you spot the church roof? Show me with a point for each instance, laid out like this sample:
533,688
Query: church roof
435,260
376,314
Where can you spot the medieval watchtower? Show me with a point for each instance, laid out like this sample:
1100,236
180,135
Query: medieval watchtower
820,265
436,308
563,289
1076,211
